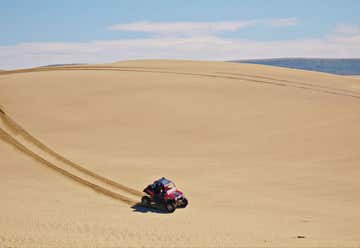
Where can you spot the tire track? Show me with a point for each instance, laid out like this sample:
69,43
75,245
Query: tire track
17,129
289,81
253,79
13,142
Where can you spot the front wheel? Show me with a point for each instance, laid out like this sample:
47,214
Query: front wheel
145,201
184,202
170,206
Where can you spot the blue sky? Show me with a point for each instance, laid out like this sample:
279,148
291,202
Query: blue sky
41,32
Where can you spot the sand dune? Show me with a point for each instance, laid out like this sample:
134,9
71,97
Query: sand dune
264,154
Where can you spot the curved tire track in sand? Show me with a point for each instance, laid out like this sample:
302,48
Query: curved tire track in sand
16,128
12,141
289,82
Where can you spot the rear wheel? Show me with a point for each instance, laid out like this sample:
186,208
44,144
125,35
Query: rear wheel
170,206
145,201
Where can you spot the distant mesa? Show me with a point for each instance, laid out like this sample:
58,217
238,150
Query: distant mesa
334,66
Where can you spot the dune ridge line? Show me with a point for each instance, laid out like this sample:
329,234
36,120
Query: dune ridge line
26,135
225,75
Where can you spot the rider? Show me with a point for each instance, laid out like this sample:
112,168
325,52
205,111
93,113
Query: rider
159,190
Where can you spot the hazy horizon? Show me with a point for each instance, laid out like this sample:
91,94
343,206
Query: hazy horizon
38,33
341,66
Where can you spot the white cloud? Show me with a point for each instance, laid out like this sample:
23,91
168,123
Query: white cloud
198,28
281,22
204,47
346,30
182,28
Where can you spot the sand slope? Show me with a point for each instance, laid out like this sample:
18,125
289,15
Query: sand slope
264,154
